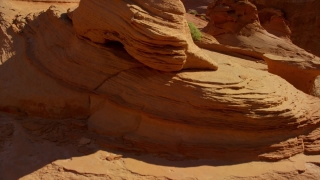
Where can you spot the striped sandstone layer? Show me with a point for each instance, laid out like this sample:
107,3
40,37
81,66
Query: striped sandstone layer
232,113
154,33
236,26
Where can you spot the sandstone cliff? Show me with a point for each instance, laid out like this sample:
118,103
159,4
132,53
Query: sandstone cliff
303,19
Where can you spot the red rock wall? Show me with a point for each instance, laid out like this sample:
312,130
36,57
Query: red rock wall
304,20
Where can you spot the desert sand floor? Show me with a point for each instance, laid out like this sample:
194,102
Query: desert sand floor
39,152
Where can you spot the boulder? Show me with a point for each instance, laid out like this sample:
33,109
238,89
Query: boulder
154,33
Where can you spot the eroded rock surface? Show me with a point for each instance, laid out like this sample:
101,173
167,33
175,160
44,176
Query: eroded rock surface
232,17
303,18
274,22
236,23
156,34
88,96
145,107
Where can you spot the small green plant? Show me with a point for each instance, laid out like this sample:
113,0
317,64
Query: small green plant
195,33
203,18
192,11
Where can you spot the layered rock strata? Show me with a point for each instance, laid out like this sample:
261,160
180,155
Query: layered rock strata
156,34
232,113
236,24
303,16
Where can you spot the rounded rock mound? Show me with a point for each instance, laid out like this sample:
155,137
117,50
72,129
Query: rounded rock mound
233,113
153,32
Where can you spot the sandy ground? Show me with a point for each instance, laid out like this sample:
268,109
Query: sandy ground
30,153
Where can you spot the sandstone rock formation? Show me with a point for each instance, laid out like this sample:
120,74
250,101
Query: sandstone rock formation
303,17
155,34
194,114
274,22
232,17
236,23
82,94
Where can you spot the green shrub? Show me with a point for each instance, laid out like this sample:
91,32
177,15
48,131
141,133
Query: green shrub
203,18
195,33
191,11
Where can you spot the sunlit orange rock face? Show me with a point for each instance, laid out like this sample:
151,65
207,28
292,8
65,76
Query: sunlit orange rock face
83,102
199,114
236,23
155,33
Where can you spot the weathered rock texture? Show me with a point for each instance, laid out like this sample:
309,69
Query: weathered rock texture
274,22
232,17
303,18
236,23
156,34
234,113
42,148
195,114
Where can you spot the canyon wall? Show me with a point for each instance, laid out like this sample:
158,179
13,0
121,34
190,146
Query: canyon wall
303,19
